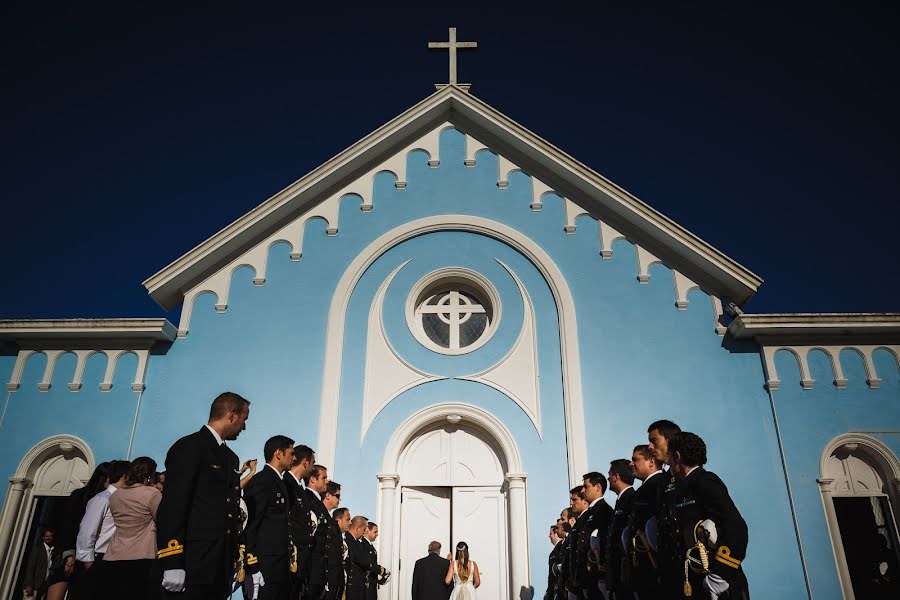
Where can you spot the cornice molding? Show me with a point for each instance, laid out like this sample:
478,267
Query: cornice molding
42,331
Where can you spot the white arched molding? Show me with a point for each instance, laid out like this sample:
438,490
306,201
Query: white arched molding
887,466
801,353
82,356
516,374
608,235
568,328
387,374
18,507
390,480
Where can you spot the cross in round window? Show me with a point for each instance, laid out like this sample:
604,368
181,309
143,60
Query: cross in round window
453,319
453,311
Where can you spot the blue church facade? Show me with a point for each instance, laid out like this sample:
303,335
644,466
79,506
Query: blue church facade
599,316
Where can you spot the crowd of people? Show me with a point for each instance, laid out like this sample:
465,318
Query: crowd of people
206,529
678,535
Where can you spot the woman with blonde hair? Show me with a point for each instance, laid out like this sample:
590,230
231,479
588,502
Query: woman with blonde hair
463,572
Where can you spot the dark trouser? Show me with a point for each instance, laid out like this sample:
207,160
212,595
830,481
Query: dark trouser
213,591
275,590
117,576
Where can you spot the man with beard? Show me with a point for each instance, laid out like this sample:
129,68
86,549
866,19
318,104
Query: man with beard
640,558
197,521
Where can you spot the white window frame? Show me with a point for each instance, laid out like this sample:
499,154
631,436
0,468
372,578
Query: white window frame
470,281
883,460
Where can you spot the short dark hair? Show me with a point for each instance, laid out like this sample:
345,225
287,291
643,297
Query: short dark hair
644,450
316,472
333,488
578,490
434,547
339,512
691,447
302,452
566,527
225,403
595,478
119,468
622,468
142,467
665,428
274,444
373,525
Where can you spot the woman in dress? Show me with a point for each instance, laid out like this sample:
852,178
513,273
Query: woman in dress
463,572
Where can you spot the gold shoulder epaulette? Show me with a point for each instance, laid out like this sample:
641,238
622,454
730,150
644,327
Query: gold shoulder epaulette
723,555
171,550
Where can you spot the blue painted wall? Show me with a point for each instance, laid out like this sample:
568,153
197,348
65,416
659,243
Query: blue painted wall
641,359
810,419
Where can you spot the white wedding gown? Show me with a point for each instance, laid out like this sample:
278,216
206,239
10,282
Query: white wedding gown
463,590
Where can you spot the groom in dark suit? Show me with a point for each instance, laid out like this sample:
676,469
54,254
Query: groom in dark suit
428,576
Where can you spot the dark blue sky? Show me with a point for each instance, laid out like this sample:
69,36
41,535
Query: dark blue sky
132,134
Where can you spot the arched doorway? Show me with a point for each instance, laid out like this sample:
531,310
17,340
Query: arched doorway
49,471
859,485
453,473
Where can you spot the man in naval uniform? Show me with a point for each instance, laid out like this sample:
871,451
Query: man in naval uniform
662,529
269,551
358,563
552,561
300,520
380,575
577,511
620,478
588,561
712,533
640,560
197,521
326,580
317,573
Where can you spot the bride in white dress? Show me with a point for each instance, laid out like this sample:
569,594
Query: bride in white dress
463,572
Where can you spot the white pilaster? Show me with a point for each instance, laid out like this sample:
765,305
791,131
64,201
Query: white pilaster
8,521
387,490
518,533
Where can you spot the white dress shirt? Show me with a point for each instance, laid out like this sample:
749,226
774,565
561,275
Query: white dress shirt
216,435
97,527
49,550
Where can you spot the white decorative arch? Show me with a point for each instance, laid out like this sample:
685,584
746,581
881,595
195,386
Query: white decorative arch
438,413
562,295
19,505
503,441
887,467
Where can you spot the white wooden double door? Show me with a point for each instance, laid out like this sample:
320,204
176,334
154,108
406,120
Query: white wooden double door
475,515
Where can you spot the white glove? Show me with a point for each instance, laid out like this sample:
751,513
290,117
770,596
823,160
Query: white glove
715,585
258,582
173,580
710,527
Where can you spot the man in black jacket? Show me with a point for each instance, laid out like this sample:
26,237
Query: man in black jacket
358,564
588,561
379,576
552,561
640,560
268,544
620,479
429,574
197,521
326,578
41,559
708,524
300,519
670,565
317,572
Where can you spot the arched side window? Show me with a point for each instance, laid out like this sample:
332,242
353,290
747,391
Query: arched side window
860,487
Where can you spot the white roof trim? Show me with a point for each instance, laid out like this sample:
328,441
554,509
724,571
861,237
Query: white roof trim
151,330
706,265
815,325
